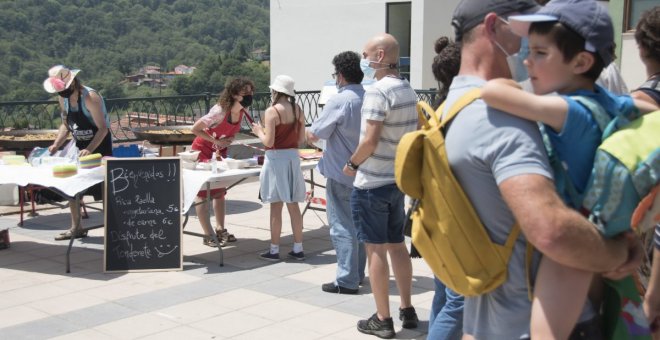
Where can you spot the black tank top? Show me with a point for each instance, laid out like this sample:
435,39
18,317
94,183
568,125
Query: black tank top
83,130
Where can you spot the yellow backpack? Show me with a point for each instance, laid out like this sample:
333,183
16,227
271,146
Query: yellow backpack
446,230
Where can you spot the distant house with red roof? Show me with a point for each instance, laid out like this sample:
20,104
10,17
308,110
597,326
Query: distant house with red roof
152,75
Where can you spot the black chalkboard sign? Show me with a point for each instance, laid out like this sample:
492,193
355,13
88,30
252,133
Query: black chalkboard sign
143,214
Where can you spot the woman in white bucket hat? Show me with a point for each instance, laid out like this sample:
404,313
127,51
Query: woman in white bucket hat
83,115
281,177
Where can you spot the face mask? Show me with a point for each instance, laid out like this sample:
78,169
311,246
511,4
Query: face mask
247,100
66,93
369,72
515,61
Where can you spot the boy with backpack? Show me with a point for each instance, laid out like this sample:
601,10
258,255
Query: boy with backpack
570,44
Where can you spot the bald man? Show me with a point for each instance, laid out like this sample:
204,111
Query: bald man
388,112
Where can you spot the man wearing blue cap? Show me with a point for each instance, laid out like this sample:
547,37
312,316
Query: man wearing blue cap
502,166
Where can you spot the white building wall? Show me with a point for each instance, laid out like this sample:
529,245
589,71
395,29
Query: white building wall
431,19
306,34
632,68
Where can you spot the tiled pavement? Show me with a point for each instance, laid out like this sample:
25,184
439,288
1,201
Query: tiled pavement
246,299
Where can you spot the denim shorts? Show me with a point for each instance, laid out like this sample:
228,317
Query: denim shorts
378,214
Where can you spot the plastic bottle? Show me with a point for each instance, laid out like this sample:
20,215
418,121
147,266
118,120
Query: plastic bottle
214,163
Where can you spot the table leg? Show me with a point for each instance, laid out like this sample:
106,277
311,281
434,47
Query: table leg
21,201
76,207
33,212
310,195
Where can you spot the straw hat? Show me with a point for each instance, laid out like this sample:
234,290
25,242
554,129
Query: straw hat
59,78
283,84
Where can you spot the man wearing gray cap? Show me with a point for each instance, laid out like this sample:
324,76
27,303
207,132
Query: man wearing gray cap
502,166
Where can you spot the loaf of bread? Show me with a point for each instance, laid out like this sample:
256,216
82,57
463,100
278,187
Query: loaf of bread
90,161
64,170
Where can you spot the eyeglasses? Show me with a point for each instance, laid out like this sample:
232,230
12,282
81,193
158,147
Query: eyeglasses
503,20
334,75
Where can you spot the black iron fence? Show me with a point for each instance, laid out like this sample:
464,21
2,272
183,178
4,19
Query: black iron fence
128,113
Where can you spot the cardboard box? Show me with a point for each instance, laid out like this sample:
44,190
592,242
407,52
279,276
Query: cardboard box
8,194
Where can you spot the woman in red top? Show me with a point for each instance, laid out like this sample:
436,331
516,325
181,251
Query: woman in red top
281,178
215,132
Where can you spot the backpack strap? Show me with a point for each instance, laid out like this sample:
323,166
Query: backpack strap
423,107
462,102
607,123
562,180
433,120
603,119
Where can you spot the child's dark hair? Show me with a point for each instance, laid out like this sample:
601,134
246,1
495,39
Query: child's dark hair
569,43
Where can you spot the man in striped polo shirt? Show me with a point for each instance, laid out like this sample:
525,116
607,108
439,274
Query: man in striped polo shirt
388,112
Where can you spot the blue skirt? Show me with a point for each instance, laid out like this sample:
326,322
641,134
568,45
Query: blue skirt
281,177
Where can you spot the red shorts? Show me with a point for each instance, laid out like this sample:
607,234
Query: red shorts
215,193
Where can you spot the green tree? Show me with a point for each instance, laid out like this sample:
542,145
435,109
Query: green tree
108,40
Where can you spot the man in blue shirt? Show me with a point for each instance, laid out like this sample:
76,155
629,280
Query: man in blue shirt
339,125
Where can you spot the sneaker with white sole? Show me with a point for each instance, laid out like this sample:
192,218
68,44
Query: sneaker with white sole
268,256
300,256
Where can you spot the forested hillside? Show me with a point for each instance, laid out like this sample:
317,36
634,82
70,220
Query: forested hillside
108,39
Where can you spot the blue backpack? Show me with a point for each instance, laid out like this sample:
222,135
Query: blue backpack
626,167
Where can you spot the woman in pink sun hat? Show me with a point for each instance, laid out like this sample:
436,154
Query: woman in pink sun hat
83,115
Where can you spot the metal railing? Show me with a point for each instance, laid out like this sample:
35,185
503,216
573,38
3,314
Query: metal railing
128,113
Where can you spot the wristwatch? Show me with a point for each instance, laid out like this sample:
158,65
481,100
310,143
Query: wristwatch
351,165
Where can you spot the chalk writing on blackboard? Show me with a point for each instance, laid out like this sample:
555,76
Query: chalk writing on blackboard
143,217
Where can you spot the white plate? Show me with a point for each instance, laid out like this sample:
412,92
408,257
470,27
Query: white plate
189,156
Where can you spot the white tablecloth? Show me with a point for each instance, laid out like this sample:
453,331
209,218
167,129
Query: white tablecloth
193,180
70,186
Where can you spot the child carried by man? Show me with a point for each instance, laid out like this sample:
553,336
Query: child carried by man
570,43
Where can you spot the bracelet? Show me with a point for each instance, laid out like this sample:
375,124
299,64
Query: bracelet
352,165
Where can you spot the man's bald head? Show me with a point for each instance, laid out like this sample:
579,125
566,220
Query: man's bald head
388,44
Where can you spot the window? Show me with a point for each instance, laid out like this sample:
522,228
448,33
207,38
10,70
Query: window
398,25
634,10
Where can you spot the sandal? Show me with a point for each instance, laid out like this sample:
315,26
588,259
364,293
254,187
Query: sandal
68,234
212,243
225,236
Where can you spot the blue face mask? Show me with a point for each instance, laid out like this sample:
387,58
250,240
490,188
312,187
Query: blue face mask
369,72
524,48
515,61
